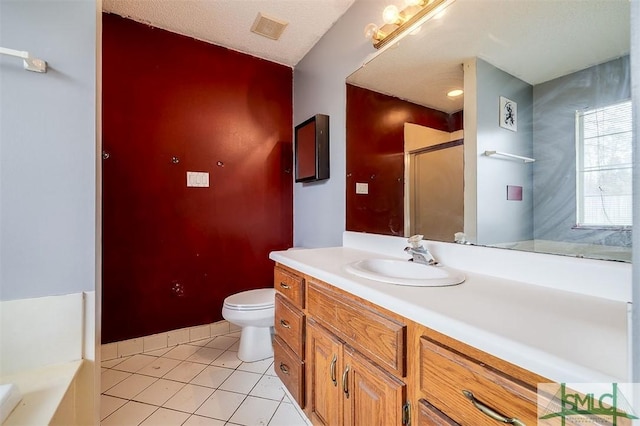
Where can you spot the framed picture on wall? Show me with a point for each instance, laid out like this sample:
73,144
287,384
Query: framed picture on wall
508,114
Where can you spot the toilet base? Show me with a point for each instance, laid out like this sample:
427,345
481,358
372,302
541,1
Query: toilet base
255,344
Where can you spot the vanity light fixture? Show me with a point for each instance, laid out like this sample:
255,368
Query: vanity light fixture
398,22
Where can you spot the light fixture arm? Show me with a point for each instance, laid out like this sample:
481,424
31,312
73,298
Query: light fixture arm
29,62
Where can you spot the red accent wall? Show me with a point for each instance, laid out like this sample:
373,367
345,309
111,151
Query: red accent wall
171,254
375,155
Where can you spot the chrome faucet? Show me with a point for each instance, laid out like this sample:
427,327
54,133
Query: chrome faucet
418,252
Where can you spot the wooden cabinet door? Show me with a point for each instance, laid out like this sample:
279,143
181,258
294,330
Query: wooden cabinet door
372,396
324,366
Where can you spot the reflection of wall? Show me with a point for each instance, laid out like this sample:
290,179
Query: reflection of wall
375,155
499,219
555,105
215,241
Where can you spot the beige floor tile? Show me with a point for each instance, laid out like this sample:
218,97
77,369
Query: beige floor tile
202,342
222,342
165,417
206,355
269,387
131,386
113,362
189,398
286,414
254,411
130,414
109,404
240,382
159,392
212,376
159,367
228,359
271,371
135,363
185,371
110,378
203,421
158,352
221,405
181,352
256,367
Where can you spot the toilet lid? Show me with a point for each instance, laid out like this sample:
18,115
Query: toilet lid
251,299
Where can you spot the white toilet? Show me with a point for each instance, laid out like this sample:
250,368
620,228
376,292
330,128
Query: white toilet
253,310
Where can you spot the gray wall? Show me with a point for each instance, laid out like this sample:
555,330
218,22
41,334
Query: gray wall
47,150
500,220
555,105
319,87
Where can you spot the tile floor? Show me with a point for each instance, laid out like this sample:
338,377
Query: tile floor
197,383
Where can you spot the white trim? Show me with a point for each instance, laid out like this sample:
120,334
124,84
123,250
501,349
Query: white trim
165,340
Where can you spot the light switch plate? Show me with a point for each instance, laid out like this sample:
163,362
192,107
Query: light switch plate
362,188
198,179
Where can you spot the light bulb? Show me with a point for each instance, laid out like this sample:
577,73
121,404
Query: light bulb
371,31
390,14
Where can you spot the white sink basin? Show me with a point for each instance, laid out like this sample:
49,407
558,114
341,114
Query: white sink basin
403,272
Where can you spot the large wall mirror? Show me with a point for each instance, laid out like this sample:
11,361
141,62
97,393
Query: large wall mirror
535,155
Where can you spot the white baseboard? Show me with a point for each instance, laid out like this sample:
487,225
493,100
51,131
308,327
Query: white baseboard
165,340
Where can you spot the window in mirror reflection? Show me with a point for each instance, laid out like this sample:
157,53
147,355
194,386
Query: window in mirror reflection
604,144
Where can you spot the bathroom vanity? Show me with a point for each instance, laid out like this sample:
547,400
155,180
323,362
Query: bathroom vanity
351,350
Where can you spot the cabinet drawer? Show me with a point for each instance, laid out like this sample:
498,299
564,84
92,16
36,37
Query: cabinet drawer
445,374
428,415
289,285
290,369
381,338
289,325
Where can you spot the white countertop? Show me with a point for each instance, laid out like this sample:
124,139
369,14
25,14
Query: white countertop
564,336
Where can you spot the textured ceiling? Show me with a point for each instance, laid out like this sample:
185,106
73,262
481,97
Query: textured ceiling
228,23
534,40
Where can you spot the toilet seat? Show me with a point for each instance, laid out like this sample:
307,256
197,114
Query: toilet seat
251,300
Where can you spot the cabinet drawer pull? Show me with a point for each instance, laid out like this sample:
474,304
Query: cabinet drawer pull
345,382
284,368
490,411
333,370
285,286
284,323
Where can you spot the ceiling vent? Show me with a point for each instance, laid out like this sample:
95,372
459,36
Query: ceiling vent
268,27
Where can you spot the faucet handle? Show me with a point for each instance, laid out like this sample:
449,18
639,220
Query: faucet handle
415,240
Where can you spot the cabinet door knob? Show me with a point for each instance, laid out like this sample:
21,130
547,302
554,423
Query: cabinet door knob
490,412
284,368
333,370
345,382
285,286
284,323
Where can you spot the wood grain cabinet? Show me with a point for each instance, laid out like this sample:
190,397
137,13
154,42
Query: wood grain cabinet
465,386
346,388
349,362
289,325
355,360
